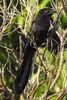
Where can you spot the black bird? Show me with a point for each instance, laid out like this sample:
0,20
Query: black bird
39,30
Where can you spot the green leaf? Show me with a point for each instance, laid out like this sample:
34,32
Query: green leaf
43,4
64,75
53,98
41,89
65,54
63,20
20,21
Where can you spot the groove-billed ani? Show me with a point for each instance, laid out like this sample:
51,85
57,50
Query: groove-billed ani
39,30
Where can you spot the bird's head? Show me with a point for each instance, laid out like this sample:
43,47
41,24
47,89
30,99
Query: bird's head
46,12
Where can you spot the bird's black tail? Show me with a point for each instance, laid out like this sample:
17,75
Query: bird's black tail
25,68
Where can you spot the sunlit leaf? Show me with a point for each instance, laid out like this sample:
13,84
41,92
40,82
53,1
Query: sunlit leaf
40,90
64,20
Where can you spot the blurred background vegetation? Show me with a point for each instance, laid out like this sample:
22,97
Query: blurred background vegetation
49,75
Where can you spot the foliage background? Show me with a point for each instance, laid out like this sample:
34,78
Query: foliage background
49,75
